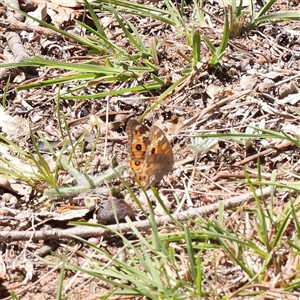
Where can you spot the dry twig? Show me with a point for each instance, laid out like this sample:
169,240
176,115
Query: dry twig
87,231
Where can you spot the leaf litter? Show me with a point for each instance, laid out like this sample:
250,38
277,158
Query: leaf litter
262,90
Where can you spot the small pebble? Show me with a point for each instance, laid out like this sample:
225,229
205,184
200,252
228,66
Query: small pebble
13,200
266,86
6,197
94,241
286,89
248,82
106,216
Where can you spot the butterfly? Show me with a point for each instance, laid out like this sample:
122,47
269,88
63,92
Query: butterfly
151,155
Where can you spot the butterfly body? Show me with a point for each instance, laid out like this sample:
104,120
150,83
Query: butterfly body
151,155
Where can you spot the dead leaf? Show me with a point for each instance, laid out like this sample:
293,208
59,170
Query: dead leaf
14,127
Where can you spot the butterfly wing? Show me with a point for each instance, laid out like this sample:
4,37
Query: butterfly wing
159,159
151,155
138,142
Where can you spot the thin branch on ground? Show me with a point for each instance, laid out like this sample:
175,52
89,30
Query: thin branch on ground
88,231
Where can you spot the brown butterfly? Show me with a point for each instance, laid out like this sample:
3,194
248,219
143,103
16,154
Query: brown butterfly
151,155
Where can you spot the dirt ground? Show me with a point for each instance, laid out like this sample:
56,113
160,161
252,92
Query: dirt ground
256,84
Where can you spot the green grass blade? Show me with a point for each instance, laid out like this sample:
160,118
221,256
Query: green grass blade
265,8
196,46
95,19
262,229
225,37
190,251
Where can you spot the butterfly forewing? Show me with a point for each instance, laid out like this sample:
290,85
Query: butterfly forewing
138,142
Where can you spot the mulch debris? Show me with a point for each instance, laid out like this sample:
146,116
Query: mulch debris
257,84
